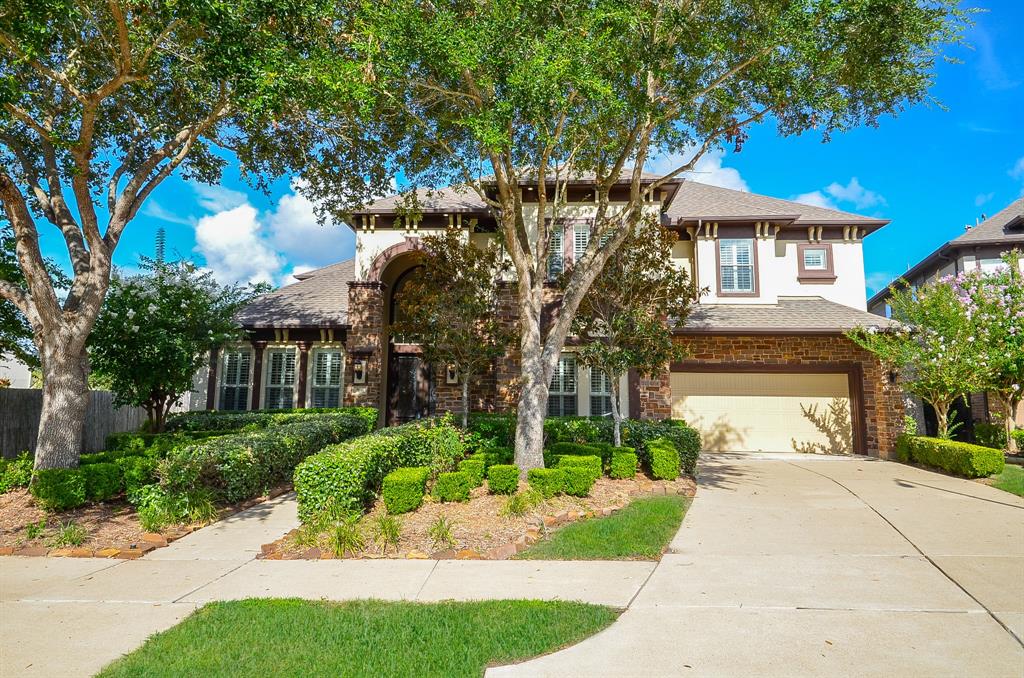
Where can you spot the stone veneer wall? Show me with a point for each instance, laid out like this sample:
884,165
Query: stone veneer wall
365,341
882,402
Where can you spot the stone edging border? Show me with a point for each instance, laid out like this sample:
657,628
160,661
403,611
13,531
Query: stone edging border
148,542
539,527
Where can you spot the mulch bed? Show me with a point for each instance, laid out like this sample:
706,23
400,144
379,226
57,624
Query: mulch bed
112,528
480,532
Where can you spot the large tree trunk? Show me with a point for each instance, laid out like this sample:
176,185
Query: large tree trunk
533,408
941,418
65,398
1009,423
616,414
465,400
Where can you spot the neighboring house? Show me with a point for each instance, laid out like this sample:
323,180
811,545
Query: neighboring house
16,372
769,367
979,248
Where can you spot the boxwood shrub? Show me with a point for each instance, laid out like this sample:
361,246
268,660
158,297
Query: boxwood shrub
452,486
664,459
243,465
503,479
350,474
1018,436
15,472
256,419
403,489
547,481
474,468
592,464
577,479
102,481
962,459
623,463
59,489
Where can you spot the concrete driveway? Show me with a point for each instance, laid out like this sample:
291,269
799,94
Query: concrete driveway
819,566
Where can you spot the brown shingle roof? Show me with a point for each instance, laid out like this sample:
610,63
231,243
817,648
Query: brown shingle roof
1003,226
695,200
319,299
792,315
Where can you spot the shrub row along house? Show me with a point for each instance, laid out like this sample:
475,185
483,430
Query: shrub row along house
979,248
768,369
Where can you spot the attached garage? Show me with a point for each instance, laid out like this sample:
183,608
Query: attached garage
758,409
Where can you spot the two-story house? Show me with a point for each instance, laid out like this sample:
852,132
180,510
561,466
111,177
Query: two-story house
768,369
978,248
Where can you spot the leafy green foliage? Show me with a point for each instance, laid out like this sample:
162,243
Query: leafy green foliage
990,435
402,490
578,479
16,472
102,481
474,470
351,473
502,479
591,463
59,489
664,459
641,530
68,534
440,533
360,639
452,486
962,459
387,531
623,463
222,421
548,482
156,330
158,508
35,530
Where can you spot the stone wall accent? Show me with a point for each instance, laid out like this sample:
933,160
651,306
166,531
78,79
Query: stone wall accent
882,399
655,395
365,341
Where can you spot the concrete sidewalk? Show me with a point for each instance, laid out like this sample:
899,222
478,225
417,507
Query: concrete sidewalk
799,566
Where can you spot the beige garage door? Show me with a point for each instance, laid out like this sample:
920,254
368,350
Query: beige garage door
766,412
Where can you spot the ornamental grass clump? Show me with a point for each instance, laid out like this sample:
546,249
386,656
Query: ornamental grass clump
440,533
387,531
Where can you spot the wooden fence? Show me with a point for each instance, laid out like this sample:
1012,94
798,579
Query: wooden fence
20,409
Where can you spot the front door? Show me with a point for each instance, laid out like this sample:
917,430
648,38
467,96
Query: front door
410,389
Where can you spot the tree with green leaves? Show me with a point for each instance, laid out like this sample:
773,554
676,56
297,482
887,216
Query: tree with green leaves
521,96
156,330
625,320
450,305
102,100
933,343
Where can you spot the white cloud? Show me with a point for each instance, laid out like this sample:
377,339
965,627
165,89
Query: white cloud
855,193
708,170
217,198
294,230
288,277
231,244
816,198
982,198
877,281
154,209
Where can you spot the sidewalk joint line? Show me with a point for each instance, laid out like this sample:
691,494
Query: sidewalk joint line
918,549
212,581
425,580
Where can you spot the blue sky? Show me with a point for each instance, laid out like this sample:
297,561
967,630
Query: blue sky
930,171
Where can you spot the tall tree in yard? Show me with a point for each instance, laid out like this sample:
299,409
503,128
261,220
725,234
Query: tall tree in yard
510,95
626,318
102,100
451,306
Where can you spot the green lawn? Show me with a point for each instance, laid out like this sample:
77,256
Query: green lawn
1011,480
287,637
642,530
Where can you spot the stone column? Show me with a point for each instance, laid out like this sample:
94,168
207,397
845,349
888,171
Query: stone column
257,373
365,341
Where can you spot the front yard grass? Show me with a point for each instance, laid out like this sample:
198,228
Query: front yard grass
1011,480
641,531
289,637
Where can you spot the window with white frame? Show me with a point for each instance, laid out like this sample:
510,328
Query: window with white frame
580,240
326,382
736,262
990,265
600,393
815,259
562,391
280,390
234,379
556,251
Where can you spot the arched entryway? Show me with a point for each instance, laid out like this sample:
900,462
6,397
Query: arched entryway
408,392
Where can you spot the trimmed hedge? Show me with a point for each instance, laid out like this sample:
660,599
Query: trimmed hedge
59,489
578,480
962,459
664,459
16,472
547,481
153,444
244,465
136,473
452,486
350,474
474,468
102,481
503,479
592,463
623,463
403,488
210,421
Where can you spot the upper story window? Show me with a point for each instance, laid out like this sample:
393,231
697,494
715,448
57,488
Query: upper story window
327,371
816,263
556,251
736,273
580,240
990,265
280,391
562,391
234,379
